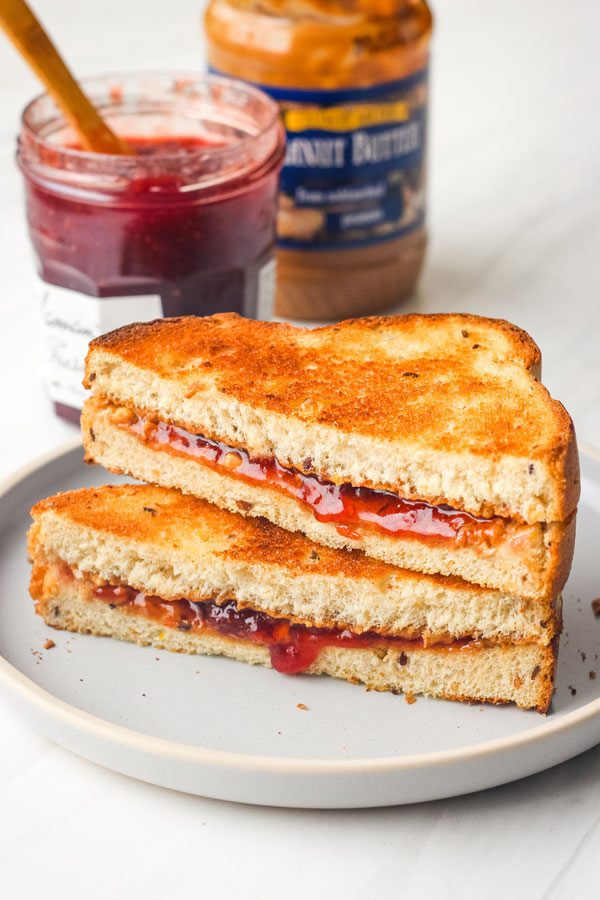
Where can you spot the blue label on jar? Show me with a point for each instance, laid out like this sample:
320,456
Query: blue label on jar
354,170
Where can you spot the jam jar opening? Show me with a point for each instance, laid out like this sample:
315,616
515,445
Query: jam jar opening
207,132
185,226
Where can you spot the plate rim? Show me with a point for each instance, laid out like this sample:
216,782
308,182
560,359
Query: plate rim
95,726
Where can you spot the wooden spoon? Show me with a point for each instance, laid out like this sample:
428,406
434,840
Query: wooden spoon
30,39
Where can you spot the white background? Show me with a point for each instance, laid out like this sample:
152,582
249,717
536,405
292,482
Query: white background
515,233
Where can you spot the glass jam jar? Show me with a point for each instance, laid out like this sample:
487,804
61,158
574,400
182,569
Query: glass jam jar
186,226
350,77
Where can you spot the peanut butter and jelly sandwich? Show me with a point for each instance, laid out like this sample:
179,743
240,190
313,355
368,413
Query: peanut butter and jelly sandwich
427,442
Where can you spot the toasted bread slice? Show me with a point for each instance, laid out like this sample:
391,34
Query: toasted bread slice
498,673
172,545
187,552
443,408
530,561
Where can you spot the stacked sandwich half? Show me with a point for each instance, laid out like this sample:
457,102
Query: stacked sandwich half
387,500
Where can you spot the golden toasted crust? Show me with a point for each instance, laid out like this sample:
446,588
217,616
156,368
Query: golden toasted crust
561,553
145,513
187,336
450,384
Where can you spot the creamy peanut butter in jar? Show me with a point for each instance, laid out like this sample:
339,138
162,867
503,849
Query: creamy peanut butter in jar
350,77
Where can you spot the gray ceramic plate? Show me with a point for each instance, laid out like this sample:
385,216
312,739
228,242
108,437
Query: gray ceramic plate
218,728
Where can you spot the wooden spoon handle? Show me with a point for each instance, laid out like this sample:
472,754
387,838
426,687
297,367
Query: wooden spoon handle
28,36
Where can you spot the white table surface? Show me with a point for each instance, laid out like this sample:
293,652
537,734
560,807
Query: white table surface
515,225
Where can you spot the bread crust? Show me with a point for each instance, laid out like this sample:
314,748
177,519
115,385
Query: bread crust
560,556
410,383
522,343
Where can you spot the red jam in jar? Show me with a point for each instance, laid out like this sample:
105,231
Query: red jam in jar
186,226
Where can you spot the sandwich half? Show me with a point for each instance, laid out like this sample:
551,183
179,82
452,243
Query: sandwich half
425,441
155,566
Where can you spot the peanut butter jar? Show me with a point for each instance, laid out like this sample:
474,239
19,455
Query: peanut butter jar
351,80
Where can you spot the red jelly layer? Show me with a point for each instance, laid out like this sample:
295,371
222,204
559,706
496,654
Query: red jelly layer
293,647
342,504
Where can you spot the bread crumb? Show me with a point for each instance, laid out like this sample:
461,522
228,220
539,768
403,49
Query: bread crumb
591,675
410,699
596,606
301,706
49,644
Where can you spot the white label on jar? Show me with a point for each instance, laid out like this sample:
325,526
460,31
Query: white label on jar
69,321
265,291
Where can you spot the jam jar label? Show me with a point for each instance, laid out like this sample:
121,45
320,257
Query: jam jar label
354,171
69,321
